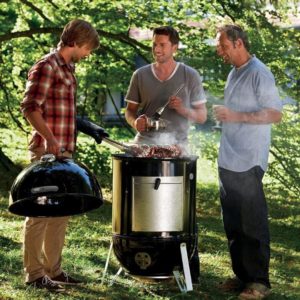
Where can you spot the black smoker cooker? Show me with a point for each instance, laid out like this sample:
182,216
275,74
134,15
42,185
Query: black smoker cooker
153,213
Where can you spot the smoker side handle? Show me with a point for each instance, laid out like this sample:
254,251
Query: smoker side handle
157,183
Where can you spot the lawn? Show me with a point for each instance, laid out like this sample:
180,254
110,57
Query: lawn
89,236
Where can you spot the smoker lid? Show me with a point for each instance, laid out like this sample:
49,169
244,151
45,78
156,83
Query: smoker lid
54,187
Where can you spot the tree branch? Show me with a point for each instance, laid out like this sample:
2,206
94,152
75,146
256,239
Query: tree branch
9,109
29,33
120,57
226,10
57,31
284,166
36,9
104,48
54,5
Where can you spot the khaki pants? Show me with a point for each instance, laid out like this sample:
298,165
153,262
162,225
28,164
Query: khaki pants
43,241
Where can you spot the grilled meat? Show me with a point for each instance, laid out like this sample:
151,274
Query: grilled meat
156,151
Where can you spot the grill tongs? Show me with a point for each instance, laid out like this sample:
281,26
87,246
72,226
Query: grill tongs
135,150
160,110
118,145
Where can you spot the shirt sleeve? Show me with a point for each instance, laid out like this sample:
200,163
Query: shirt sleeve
39,81
267,92
197,91
133,95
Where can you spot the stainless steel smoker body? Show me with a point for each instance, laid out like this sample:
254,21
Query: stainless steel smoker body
154,211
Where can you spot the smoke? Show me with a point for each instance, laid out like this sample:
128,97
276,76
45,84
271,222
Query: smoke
164,139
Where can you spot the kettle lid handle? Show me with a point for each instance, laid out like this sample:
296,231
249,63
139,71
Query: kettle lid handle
48,158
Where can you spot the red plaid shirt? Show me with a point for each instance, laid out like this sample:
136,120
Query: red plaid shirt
50,89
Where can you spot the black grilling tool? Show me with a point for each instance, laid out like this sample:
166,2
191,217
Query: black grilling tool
160,110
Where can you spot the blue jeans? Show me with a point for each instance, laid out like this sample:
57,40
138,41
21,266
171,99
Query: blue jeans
245,218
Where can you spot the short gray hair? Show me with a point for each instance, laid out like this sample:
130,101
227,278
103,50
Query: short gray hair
235,32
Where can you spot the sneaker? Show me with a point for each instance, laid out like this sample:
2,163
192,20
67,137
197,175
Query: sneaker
64,278
46,283
254,291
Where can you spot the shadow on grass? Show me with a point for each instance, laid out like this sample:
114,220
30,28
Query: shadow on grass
285,235
7,243
10,261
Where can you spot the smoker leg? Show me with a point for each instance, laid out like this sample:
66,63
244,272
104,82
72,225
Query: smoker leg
186,267
195,261
116,275
185,284
107,261
106,266
180,281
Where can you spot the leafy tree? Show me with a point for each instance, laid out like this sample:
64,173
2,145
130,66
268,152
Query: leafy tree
28,29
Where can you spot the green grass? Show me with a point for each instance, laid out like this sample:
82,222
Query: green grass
89,236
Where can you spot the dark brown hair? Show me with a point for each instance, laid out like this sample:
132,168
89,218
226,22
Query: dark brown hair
169,31
79,32
235,32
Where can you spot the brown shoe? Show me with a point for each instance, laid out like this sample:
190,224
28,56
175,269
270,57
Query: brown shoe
46,283
254,291
231,285
64,278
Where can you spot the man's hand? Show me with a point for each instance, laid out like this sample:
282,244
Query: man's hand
141,123
91,129
264,116
52,146
197,113
176,103
224,114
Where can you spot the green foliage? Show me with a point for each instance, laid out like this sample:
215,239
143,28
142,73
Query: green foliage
205,143
284,169
121,134
97,159
14,145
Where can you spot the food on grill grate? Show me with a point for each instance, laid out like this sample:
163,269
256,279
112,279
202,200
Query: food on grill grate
157,151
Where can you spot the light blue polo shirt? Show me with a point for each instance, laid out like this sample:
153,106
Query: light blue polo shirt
249,88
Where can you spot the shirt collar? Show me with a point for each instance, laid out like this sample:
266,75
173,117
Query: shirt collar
61,61
246,63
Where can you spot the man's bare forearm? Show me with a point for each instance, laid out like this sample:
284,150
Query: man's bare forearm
195,115
39,124
130,118
265,116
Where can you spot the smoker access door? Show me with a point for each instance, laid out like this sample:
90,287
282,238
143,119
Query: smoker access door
157,204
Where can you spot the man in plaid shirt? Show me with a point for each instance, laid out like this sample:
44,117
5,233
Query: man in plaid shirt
49,106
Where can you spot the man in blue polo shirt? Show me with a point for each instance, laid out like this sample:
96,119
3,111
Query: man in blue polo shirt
251,105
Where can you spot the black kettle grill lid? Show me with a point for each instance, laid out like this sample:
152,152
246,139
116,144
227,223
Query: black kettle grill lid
54,187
